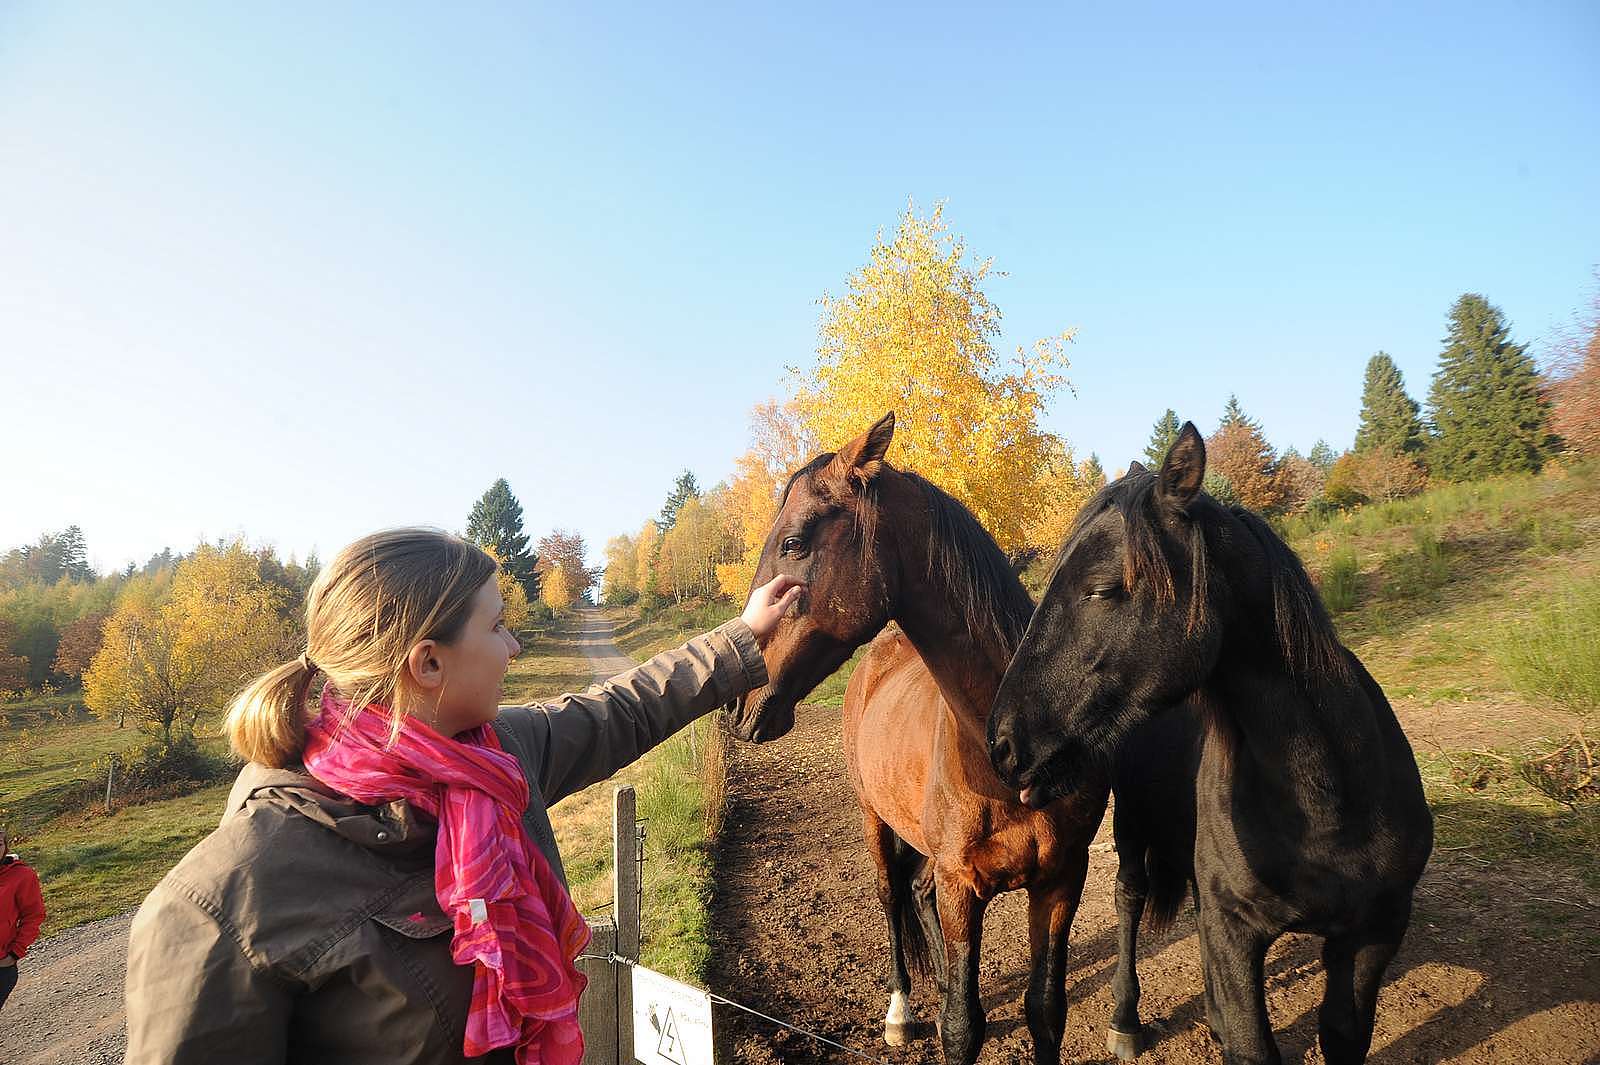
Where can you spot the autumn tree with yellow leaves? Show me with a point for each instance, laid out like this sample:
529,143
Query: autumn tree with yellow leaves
512,593
913,333
780,444
171,653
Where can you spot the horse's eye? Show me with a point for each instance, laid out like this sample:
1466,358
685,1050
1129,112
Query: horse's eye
792,544
1106,591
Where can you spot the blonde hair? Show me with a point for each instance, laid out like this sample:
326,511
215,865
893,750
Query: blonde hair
377,599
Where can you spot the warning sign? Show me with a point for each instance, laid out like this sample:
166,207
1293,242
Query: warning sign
671,1021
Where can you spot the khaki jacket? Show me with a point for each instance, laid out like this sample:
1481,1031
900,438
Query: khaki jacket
305,928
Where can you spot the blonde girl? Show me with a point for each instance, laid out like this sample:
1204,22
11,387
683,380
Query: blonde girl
384,885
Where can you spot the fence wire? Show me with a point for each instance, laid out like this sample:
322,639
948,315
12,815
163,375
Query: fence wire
722,1000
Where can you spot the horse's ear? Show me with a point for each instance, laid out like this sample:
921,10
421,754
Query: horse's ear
1135,467
1184,469
860,460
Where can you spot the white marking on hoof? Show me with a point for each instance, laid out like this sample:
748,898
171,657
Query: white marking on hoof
1124,1045
897,1020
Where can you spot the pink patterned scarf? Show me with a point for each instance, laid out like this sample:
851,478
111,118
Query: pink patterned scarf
514,921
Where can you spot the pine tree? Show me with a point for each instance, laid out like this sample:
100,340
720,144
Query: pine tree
683,489
1162,437
1233,414
1322,456
1389,419
496,525
1094,474
1487,413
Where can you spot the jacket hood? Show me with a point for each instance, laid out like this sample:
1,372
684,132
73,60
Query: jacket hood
395,828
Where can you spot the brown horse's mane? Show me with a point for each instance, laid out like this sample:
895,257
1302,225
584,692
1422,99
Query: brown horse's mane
994,605
1305,635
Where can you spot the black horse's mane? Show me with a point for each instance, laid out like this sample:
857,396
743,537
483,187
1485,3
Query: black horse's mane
995,607
1305,635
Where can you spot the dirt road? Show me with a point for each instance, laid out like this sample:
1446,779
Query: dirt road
67,1008
799,935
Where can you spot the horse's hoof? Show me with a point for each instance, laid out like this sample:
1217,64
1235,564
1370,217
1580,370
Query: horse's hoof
1124,1045
895,1034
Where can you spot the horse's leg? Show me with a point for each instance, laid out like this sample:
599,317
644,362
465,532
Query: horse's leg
1235,958
1355,966
1050,911
961,1018
1213,1015
923,895
1125,1036
894,894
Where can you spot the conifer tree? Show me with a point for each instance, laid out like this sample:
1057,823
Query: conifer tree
496,525
1322,456
1487,413
684,489
1233,414
1162,437
1389,419
1094,474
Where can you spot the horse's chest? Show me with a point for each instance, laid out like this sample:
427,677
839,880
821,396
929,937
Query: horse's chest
1279,873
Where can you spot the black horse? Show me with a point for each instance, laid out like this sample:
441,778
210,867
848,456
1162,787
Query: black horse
1256,761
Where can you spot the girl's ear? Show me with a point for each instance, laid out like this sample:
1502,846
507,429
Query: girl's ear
423,669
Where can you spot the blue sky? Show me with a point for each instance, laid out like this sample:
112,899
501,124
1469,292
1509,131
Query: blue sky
307,270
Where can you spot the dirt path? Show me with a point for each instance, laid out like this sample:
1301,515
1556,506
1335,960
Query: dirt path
595,636
67,1008
799,934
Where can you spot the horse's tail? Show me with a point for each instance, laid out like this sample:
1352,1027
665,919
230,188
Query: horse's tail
908,917
1169,882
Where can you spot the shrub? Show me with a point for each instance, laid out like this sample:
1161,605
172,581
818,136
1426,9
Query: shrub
1551,654
1341,581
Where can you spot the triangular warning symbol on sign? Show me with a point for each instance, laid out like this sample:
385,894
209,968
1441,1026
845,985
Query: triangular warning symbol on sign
669,1047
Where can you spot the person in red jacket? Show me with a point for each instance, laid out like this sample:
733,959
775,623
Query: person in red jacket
21,914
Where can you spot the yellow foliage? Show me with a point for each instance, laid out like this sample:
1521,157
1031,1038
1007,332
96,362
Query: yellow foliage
913,334
781,445
555,588
645,546
621,581
511,591
691,550
1063,491
171,653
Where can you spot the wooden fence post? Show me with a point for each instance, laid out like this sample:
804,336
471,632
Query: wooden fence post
627,887
597,1009
605,1013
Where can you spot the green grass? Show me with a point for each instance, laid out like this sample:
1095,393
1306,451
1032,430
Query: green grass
641,636
1341,581
1554,652
90,864
93,865
679,786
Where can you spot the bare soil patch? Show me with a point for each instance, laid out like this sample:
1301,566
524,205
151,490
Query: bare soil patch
1488,972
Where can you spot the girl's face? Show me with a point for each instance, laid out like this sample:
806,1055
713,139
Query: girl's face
472,668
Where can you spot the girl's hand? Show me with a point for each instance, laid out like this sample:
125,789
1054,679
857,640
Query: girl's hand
769,602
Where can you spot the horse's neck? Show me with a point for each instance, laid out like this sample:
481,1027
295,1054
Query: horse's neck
1320,751
967,669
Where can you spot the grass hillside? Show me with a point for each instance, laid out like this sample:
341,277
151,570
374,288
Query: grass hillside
1477,607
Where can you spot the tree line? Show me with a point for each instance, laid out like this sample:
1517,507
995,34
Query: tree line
913,332
165,644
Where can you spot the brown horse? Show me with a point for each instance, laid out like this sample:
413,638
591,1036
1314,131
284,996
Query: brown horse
874,545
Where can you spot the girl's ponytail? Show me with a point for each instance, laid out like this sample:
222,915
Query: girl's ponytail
267,721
